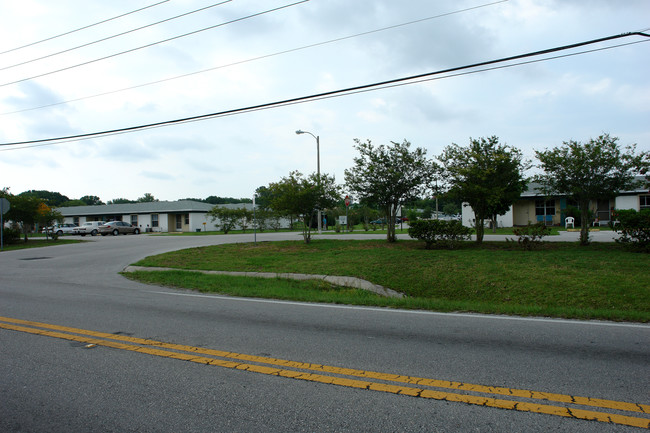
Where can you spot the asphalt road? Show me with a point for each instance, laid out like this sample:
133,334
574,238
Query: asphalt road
57,379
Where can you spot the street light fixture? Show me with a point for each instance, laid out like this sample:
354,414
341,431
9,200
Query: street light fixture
320,221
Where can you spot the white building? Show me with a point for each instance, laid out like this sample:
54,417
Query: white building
158,216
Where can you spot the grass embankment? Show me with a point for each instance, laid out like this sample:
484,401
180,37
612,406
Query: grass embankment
601,281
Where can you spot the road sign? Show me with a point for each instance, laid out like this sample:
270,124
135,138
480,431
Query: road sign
4,205
347,200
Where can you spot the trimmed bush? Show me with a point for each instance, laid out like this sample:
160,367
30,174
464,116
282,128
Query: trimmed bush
634,228
531,235
439,233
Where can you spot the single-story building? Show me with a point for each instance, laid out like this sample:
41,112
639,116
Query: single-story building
533,206
157,216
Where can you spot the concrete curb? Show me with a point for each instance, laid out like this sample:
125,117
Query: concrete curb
356,283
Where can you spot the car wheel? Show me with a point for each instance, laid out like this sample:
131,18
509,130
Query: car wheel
116,232
59,233
136,231
93,233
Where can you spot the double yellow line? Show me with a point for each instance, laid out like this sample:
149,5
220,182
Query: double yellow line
518,399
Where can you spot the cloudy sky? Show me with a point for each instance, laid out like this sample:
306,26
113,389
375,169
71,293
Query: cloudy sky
50,89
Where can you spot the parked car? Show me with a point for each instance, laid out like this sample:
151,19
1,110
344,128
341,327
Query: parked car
117,227
62,229
88,228
383,221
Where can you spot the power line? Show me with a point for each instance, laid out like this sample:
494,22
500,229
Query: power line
265,56
115,36
429,76
319,98
156,43
83,28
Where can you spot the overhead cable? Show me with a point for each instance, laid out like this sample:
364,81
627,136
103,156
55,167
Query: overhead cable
324,95
156,43
115,36
83,28
265,56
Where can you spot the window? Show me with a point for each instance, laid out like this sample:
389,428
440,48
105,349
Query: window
544,207
187,219
134,220
644,202
75,220
154,220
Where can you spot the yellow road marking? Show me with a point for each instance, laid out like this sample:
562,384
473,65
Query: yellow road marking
155,348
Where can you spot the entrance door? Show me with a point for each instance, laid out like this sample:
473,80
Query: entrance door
179,223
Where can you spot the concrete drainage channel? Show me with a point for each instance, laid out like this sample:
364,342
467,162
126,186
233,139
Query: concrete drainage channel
356,283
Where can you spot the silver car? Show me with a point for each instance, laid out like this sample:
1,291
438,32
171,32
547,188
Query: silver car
62,229
117,227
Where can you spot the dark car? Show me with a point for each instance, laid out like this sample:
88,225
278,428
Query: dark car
117,227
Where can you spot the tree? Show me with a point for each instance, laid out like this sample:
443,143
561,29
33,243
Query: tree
120,201
387,176
147,198
300,197
91,200
45,216
228,218
485,174
598,169
24,210
50,198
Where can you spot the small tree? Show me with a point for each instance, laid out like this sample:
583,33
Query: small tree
387,176
245,218
598,169
489,176
24,211
300,197
227,218
46,216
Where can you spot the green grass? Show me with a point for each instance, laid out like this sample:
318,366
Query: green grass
601,281
214,232
42,242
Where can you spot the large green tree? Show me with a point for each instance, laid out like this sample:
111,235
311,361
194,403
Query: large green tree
388,176
487,175
300,197
598,169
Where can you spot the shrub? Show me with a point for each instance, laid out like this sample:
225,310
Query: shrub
444,234
531,235
11,236
634,228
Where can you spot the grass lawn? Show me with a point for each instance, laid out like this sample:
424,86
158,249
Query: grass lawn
39,242
601,281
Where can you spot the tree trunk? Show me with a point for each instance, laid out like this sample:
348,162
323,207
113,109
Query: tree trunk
480,229
584,222
390,224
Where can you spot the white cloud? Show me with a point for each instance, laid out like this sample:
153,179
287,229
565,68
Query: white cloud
528,106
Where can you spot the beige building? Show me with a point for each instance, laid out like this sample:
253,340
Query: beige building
533,207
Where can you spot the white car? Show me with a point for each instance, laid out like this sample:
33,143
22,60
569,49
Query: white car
88,228
62,229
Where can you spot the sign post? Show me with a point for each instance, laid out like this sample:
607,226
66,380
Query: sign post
4,208
347,205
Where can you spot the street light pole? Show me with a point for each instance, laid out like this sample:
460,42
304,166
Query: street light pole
320,220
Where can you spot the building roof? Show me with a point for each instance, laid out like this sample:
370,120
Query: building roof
534,189
184,206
